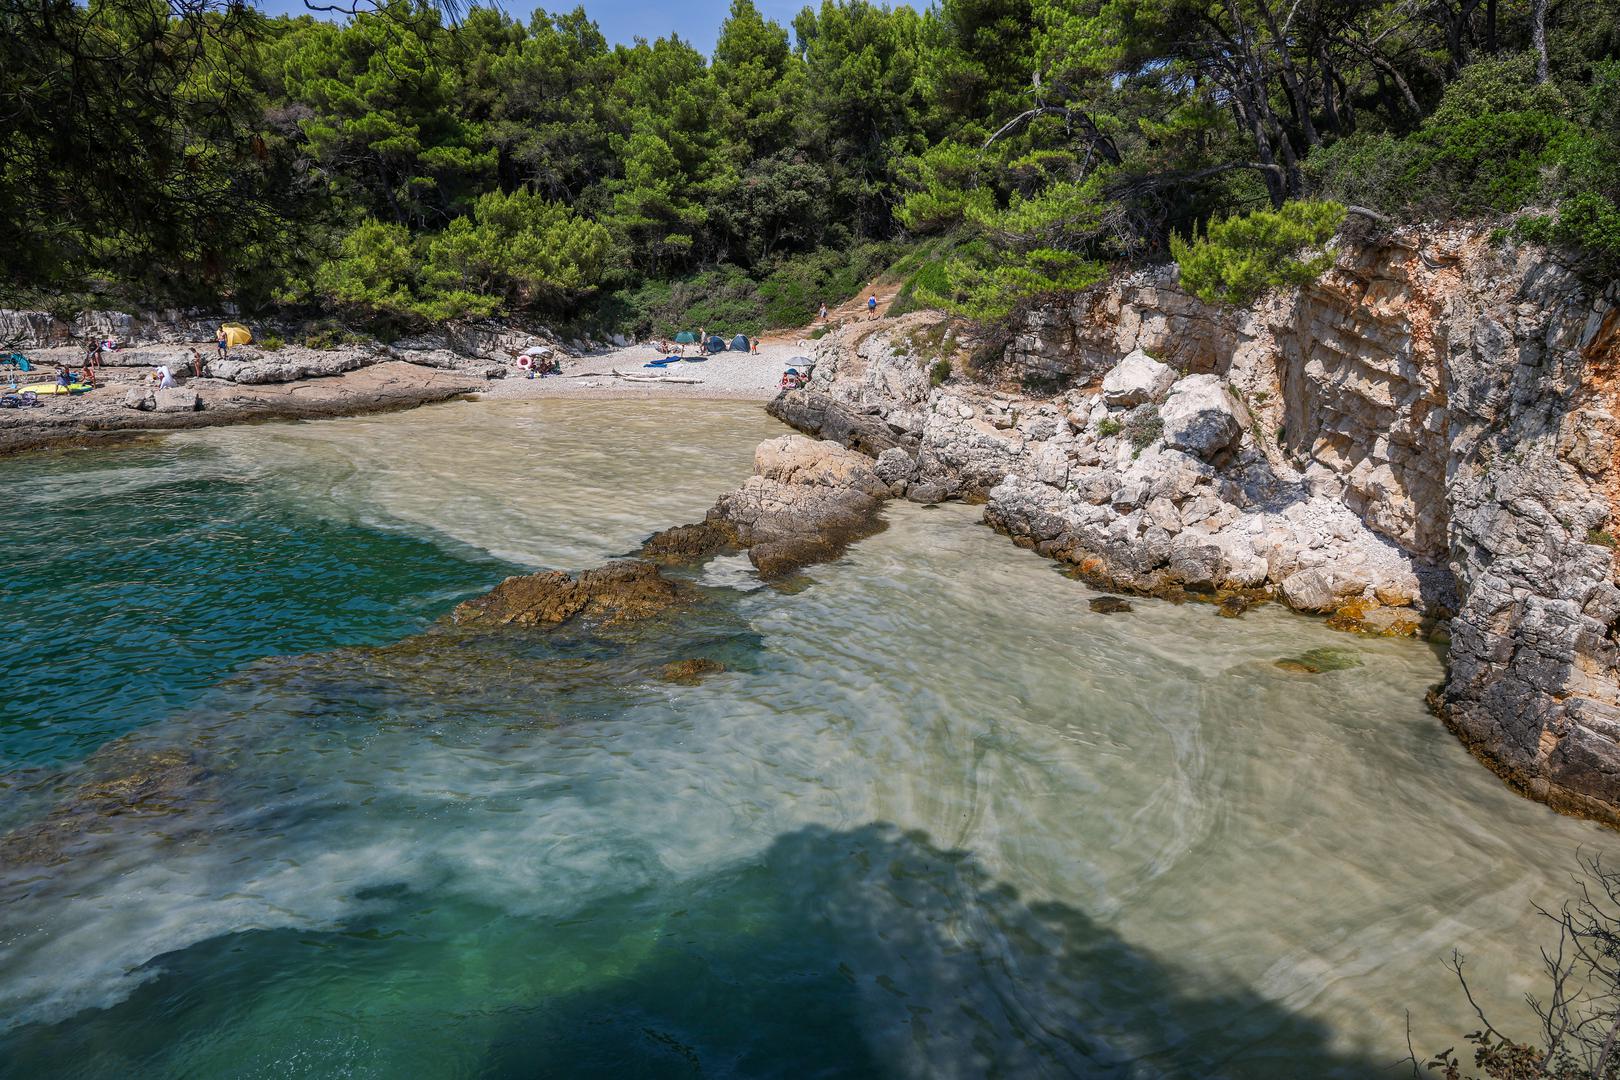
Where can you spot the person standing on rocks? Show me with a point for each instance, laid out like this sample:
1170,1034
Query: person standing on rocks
223,343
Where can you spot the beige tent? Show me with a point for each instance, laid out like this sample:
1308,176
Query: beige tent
237,334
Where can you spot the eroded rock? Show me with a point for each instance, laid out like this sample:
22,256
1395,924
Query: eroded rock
616,593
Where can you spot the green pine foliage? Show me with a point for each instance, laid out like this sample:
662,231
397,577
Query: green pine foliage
1242,257
400,168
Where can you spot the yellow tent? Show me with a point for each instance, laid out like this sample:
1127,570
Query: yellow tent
236,334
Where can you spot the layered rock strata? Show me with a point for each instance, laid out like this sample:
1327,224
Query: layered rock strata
1426,434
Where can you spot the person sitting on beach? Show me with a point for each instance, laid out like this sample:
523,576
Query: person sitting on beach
163,377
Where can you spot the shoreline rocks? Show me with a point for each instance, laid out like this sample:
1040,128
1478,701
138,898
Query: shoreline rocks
107,414
1411,445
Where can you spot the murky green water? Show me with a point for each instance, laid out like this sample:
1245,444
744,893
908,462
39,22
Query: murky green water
937,818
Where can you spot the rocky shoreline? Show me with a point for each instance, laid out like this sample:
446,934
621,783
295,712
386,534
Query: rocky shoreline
1421,442
108,414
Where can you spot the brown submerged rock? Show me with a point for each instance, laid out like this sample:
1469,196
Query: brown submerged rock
690,672
689,543
1110,605
616,593
123,783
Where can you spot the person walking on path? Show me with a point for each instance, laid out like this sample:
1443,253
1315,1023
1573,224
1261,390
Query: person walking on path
822,313
871,306
223,343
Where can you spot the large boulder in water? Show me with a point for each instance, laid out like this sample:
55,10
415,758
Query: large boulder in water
616,593
1202,417
806,503
1136,380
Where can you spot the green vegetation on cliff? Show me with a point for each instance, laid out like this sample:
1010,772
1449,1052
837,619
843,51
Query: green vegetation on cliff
400,167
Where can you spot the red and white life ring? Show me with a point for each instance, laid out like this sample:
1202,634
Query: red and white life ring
525,361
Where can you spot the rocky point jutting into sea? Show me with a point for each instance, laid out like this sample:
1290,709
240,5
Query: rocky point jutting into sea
1422,441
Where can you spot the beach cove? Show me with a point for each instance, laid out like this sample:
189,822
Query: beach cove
927,813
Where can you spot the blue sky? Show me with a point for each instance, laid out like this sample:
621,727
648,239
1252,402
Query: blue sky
623,20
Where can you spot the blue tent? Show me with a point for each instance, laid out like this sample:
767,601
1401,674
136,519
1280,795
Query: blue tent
716,343
740,342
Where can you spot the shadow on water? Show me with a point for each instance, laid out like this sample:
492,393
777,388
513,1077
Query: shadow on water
867,952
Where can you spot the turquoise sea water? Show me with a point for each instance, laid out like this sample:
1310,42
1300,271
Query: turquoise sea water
936,818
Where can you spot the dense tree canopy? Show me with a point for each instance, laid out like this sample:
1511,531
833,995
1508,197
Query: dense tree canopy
402,166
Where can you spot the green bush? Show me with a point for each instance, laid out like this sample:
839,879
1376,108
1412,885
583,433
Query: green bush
1242,257
939,372
272,343
1108,427
1591,223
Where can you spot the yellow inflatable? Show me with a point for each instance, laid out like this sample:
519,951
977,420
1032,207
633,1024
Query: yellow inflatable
52,388
236,334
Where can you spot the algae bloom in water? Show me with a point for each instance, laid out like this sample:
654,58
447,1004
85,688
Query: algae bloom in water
1316,661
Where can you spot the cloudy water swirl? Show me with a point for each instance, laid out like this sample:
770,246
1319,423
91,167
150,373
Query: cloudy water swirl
936,817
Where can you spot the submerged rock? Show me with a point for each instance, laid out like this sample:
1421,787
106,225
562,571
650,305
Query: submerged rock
1110,605
690,672
124,782
616,593
1317,661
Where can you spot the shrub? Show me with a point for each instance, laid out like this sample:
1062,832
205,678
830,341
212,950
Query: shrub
939,372
272,343
1242,257
1591,223
1142,426
1108,427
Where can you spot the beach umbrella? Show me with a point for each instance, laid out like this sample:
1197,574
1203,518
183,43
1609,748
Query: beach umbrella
684,338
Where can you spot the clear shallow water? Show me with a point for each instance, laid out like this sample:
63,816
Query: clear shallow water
938,819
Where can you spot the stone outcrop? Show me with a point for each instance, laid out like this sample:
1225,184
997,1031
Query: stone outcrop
111,412
616,593
807,501
1427,433
253,367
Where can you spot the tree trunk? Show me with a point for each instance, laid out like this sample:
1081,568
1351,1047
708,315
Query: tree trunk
1290,77
1538,35
1490,26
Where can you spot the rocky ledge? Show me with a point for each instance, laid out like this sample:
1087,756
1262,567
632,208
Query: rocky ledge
118,410
1422,440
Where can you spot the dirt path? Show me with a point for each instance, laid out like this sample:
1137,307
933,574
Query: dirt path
851,310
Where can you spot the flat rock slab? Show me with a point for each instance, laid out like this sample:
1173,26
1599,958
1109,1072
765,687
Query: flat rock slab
106,411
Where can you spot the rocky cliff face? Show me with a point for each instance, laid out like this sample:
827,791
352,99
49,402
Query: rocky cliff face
1425,437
